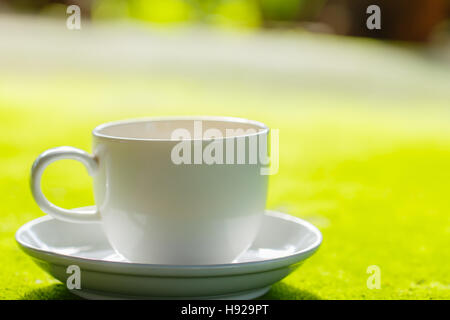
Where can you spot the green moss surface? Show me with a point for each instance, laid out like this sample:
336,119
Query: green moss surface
371,172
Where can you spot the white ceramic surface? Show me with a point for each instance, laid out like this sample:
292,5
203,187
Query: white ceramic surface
155,211
282,244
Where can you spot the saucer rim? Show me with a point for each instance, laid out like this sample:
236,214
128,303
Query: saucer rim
168,269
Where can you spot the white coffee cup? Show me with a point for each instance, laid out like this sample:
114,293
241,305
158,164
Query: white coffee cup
154,210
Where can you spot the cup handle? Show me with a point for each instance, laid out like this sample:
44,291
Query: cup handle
46,158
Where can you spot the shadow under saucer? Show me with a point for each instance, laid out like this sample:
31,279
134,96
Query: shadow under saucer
282,291
279,291
52,292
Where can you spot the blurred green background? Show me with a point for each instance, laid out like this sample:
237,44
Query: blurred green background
364,124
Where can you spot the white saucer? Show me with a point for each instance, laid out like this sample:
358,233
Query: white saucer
282,244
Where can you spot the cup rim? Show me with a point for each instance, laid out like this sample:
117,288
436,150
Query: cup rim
97,130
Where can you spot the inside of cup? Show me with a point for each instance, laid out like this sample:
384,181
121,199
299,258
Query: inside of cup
180,129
